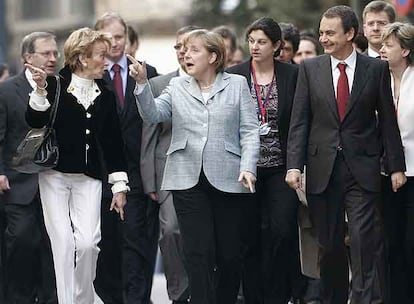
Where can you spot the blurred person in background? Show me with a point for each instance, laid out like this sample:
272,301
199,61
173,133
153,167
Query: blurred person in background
290,38
156,139
375,16
230,41
27,257
238,56
132,43
127,260
272,86
398,50
89,138
360,43
308,48
4,71
213,152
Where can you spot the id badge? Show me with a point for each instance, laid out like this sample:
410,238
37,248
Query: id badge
264,128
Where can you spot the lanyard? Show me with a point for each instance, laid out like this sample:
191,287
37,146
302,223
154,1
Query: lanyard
261,104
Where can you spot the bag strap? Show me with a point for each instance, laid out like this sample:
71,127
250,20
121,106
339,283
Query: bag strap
55,104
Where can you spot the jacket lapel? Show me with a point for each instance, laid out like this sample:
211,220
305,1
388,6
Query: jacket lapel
360,79
222,81
191,87
281,87
23,88
324,75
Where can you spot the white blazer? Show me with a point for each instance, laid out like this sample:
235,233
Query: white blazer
405,116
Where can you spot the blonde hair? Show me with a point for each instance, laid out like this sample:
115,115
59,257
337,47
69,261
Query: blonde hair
80,42
213,42
404,33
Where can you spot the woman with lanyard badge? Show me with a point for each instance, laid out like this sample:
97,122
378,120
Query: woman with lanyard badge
272,86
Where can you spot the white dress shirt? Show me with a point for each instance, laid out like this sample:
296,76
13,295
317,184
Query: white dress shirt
350,70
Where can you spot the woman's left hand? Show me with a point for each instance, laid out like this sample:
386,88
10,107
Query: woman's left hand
118,203
248,180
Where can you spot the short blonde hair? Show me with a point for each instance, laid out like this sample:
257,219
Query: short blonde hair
213,42
80,42
404,33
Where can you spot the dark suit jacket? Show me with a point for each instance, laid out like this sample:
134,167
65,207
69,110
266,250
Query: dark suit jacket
156,139
316,131
131,128
286,76
14,97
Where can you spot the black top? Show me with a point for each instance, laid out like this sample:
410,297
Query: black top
286,75
88,139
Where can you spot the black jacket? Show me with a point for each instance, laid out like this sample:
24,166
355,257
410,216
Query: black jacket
89,140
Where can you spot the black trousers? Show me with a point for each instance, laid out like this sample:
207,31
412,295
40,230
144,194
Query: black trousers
126,261
398,215
212,224
140,244
108,281
327,211
273,274
282,278
27,258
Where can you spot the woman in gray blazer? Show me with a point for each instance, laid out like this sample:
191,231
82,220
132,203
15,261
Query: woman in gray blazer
211,162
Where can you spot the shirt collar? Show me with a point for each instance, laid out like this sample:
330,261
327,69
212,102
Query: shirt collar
350,61
372,53
123,63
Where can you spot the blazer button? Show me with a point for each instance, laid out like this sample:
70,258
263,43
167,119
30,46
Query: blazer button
87,131
88,115
204,138
339,148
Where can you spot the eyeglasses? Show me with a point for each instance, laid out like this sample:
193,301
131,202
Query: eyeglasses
48,54
178,46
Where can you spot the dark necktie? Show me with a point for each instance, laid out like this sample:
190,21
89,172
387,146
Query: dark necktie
117,80
342,94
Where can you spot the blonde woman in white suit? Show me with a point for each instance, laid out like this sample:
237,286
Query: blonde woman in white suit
211,162
398,50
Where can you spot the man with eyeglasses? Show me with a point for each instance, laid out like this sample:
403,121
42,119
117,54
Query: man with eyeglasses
376,15
156,139
28,264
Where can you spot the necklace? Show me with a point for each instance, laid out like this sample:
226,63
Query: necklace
207,87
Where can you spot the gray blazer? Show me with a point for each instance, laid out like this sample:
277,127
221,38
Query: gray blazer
220,135
156,139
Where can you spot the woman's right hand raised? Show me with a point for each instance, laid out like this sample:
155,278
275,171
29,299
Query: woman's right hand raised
137,70
38,75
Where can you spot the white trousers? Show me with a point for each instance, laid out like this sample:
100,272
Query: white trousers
71,209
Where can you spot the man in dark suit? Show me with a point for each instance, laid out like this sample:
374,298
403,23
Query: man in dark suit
156,139
135,266
376,15
28,264
334,130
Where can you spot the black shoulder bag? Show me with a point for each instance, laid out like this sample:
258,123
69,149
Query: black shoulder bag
39,149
